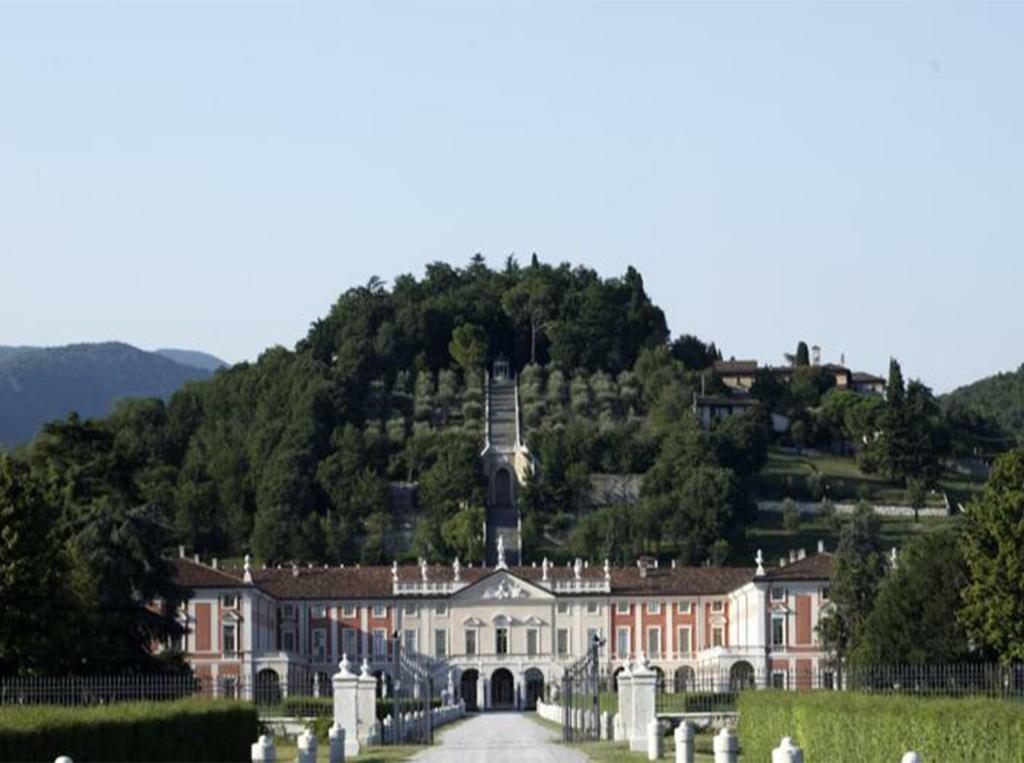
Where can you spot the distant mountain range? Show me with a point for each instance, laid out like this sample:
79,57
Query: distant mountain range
38,384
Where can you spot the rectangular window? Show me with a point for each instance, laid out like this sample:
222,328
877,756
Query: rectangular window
778,631
409,641
380,641
349,643
348,610
230,601
563,607
683,645
593,608
622,648
685,607
288,611
319,643
440,643
441,609
288,641
778,594
654,607
717,637
654,642
318,611
717,605
778,680
531,642
824,593
622,608
228,644
501,640
228,687
380,610
470,641
410,610
562,642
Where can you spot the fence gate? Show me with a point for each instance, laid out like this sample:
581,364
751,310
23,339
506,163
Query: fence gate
581,696
409,719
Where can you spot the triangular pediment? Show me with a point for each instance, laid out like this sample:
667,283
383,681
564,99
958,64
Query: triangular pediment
502,585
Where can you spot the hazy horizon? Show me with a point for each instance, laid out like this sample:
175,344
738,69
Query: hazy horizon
213,176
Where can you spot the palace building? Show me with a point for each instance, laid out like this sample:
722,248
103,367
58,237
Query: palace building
500,633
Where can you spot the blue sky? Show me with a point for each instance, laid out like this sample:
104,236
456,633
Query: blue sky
213,176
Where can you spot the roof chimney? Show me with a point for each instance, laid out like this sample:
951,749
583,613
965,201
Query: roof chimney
213,562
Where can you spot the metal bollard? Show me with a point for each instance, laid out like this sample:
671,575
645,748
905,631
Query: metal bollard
306,744
263,750
911,757
726,746
787,752
655,739
684,742
336,744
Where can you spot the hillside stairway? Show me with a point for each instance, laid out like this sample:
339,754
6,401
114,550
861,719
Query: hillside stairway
502,442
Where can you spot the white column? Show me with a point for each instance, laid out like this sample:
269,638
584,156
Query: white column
364,630
643,711
367,704
346,705
684,742
625,713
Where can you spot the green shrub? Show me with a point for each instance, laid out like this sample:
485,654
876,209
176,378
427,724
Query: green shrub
849,727
186,730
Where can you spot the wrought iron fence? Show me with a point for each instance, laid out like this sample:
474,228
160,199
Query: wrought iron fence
710,691
580,696
411,720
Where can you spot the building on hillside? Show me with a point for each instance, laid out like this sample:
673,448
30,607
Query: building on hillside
735,374
503,633
867,384
712,408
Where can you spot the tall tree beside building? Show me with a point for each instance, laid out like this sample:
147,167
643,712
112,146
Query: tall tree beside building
857,573
803,356
993,546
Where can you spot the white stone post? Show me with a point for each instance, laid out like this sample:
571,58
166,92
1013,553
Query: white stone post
625,691
306,744
606,726
367,712
618,729
346,705
684,742
726,746
911,757
654,740
336,745
787,752
643,711
262,750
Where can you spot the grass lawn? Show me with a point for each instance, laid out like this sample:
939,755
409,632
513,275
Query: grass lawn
618,752
785,476
287,752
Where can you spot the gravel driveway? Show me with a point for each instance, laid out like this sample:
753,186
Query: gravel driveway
499,737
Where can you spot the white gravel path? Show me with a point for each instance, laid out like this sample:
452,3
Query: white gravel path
500,738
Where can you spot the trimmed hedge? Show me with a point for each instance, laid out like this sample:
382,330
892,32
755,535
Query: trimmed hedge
184,730
850,727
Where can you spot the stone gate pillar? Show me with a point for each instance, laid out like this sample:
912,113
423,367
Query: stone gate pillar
346,705
367,712
643,712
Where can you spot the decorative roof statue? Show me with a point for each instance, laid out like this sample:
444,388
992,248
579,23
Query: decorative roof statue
577,568
760,563
456,570
394,571
424,569
544,569
247,577
607,570
893,558
501,553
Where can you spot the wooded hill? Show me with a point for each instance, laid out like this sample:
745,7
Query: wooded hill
999,397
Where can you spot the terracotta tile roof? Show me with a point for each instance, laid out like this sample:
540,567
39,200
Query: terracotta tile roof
734,366
863,377
192,574
325,582
684,581
814,567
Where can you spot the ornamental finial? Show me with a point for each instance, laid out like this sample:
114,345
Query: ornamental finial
759,558
501,553
456,570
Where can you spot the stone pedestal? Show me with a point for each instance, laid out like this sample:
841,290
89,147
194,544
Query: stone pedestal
367,704
644,687
684,738
787,752
306,744
346,705
654,740
336,745
626,701
262,750
726,746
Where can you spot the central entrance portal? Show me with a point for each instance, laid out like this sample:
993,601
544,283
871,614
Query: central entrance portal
503,690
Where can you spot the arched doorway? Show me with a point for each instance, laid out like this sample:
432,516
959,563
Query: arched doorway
503,690
684,679
502,488
467,689
534,688
268,687
741,676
